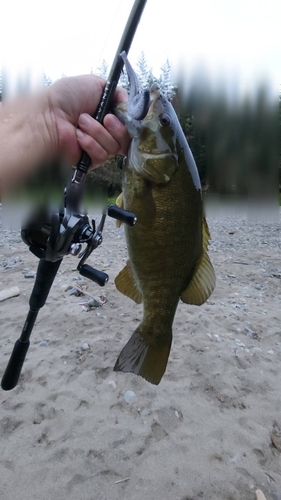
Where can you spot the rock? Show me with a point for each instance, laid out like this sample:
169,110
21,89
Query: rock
65,288
145,413
29,274
112,384
75,292
10,263
85,346
44,343
275,436
9,293
129,397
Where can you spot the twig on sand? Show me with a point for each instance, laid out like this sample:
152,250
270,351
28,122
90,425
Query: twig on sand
260,495
122,480
99,300
9,293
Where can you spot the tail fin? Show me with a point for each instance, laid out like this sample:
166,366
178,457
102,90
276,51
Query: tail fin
139,357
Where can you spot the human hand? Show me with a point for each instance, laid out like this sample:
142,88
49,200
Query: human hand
72,102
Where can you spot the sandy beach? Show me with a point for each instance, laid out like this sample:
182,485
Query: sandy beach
211,430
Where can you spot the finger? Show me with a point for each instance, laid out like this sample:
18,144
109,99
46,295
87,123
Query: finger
94,129
119,132
120,95
96,152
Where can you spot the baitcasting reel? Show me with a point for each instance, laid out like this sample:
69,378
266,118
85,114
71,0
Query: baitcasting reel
52,236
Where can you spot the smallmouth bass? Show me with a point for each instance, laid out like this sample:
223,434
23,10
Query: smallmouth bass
167,247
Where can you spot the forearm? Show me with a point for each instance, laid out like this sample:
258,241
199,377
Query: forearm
27,134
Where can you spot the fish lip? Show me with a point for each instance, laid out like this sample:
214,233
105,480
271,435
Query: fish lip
148,156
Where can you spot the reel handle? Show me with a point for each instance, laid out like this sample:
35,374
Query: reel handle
93,274
125,216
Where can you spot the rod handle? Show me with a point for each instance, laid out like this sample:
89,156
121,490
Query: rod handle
14,367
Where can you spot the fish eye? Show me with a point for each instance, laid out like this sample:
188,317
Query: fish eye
164,120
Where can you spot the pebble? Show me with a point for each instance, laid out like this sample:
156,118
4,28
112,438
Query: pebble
129,397
10,263
44,343
29,274
85,346
145,413
218,338
112,384
250,333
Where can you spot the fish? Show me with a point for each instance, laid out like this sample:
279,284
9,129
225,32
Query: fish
168,257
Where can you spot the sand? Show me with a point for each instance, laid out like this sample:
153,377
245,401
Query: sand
211,429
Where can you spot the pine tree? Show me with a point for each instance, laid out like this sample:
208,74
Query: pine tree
165,81
144,72
103,69
123,80
47,80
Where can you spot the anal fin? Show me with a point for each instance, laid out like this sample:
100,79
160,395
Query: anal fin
202,283
203,280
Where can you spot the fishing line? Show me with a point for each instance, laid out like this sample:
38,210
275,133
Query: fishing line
108,32
102,52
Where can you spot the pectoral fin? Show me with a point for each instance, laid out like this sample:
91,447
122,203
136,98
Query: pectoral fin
120,203
203,281
125,283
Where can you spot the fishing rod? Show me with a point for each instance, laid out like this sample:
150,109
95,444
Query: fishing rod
52,236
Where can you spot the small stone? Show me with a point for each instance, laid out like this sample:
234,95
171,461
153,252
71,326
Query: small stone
218,338
65,288
44,343
85,346
250,333
29,275
129,397
112,384
145,413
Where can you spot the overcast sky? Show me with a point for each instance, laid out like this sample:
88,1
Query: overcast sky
230,38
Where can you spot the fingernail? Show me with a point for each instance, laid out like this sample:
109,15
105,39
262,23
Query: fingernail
112,122
84,119
79,133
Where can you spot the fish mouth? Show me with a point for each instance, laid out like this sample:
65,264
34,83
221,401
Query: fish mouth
151,156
